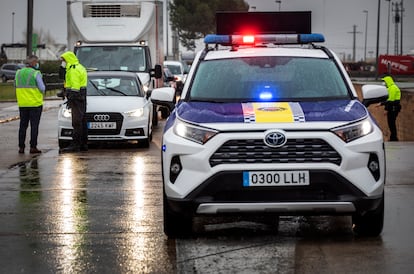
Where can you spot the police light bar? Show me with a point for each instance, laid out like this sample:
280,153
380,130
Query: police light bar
277,39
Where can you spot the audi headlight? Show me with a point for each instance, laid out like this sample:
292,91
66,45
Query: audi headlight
145,87
135,113
193,133
66,112
352,132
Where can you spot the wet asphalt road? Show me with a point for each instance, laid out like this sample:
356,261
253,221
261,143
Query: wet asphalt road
101,212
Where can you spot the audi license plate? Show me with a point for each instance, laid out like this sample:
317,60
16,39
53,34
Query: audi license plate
276,178
102,125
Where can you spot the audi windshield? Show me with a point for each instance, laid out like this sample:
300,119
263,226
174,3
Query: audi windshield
113,86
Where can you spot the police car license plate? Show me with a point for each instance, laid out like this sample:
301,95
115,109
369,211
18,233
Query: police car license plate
102,125
276,178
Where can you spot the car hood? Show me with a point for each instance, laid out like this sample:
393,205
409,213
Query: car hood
272,112
114,103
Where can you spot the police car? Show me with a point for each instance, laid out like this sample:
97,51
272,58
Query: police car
270,124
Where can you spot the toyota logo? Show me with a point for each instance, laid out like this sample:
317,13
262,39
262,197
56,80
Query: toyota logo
101,117
275,139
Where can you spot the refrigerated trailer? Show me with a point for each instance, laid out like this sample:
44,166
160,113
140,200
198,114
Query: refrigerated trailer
118,35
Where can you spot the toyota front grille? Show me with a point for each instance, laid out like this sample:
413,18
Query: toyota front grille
294,151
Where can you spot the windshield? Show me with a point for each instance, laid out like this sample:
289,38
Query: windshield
113,86
126,58
271,78
175,69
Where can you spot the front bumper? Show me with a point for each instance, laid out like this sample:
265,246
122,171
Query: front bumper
126,130
224,193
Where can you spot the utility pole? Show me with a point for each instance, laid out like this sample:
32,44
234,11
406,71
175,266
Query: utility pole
378,31
388,26
29,46
13,27
396,10
366,35
402,16
354,32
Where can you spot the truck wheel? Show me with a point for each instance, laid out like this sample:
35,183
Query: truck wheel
371,223
4,78
175,225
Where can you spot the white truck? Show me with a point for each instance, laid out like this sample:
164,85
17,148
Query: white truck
118,35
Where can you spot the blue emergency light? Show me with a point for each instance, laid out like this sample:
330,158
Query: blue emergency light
277,39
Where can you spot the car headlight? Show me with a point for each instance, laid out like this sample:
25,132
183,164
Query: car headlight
66,112
135,113
193,133
352,132
145,87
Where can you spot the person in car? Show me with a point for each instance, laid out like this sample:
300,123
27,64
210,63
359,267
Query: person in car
76,80
29,93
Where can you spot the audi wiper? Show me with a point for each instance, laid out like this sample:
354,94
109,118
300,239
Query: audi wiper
117,91
97,89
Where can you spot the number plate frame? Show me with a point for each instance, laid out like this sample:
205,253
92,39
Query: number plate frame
276,178
102,125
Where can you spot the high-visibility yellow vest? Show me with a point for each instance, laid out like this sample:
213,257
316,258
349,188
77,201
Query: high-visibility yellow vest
27,92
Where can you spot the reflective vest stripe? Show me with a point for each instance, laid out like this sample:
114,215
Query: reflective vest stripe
27,79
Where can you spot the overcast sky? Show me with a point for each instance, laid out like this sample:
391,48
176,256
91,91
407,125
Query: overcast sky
333,18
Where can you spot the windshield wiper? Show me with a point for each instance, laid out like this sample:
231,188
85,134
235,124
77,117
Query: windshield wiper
117,91
97,89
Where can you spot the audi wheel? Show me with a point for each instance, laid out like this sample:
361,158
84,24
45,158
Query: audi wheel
63,143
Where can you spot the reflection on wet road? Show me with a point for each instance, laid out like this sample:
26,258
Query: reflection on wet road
98,211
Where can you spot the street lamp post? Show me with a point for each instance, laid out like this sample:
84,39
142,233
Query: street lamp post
378,32
278,2
13,27
366,35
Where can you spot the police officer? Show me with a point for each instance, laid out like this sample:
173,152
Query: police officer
392,106
29,93
76,79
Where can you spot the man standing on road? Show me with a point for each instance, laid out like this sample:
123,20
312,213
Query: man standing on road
392,106
76,79
29,93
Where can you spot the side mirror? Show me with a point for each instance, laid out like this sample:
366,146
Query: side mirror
373,94
164,97
157,72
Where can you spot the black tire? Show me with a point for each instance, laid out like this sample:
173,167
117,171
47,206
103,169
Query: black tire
4,78
371,223
145,143
164,112
63,143
176,225
155,116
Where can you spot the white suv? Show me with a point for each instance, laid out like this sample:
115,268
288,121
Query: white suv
266,128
